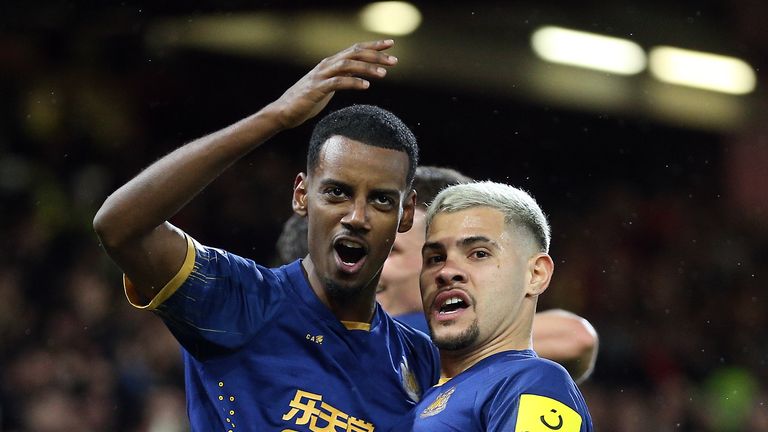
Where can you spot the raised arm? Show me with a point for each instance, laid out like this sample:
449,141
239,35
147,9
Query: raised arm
132,223
568,339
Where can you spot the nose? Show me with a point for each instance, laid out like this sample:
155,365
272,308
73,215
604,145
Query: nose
449,274
356,218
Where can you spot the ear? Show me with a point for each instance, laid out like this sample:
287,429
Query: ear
409,208
299,202
540,268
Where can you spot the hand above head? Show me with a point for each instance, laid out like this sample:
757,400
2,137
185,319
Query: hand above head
349,69
132,221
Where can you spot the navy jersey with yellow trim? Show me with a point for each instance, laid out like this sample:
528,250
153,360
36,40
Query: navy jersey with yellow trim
511,391
262,353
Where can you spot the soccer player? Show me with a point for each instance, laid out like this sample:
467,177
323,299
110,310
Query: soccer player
557,334
485,263
303,347
398,290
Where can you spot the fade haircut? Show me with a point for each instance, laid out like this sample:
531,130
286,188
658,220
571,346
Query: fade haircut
519,208
370,125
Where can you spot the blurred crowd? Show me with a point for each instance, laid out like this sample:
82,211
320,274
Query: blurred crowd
672,284
672,278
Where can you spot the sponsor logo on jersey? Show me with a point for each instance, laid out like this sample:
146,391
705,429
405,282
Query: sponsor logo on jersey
309,410
543,414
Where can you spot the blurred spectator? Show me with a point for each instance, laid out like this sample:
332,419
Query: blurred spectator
672,276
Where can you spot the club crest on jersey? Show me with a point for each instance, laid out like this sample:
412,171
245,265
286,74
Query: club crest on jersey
409,382
439,404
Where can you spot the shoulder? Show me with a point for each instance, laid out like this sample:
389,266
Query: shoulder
227,263
412,336
414,320
535,371
540,391
520,372
541,365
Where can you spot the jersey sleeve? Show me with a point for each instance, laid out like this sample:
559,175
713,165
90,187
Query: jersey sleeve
217,300
543,399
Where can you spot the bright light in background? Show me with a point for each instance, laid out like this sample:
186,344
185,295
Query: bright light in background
391,18
588,50
702,70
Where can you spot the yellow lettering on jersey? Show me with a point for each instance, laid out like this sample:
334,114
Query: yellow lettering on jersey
543,414
304,411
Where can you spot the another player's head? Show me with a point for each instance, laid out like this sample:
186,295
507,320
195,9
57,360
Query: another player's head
292,243
485,262
356,196
398,290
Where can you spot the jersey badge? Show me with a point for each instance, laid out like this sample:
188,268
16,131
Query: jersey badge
439,403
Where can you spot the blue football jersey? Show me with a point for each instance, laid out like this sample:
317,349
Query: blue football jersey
262,353
415,320
511,391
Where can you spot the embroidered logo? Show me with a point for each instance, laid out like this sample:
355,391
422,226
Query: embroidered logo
409,382
439,403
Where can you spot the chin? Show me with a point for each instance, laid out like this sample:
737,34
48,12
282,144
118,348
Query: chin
454,341
341,290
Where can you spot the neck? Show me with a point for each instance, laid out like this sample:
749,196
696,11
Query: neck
347,304
516,337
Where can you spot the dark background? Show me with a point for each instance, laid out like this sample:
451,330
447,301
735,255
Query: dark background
658,214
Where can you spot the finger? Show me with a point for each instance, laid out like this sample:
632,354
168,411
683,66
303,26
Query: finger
344,83
377,45
347,67
370,52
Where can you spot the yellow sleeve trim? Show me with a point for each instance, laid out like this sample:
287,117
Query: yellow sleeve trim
442,381
542,414
136,300
353,325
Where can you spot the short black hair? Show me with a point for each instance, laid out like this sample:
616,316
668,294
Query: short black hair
370,125
430,180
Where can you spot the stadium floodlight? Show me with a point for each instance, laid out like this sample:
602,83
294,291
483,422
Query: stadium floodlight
588,50
702,70
394,18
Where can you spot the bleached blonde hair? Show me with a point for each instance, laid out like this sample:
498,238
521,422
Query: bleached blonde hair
519,207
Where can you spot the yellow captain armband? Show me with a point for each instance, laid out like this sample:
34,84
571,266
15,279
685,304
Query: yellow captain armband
136,300
543,414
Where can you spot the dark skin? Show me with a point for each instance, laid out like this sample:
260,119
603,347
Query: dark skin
357,193
132,223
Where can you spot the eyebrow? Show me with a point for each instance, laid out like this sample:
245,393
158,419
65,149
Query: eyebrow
333,182
344,185
464,242
471,240
434,246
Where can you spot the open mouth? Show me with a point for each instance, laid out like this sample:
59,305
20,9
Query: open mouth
452,305
350,252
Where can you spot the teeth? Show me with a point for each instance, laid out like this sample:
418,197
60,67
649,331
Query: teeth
452,300
349,244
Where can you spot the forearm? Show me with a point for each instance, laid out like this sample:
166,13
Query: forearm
132,221
568,339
